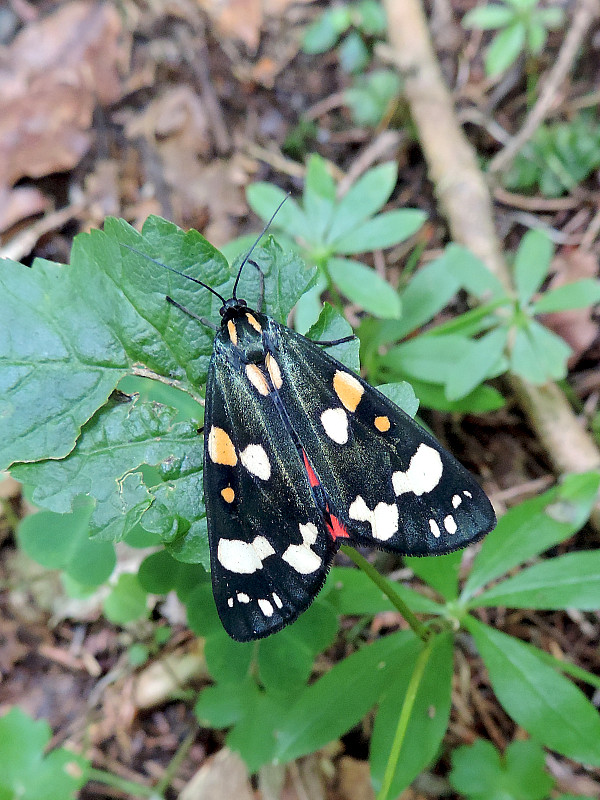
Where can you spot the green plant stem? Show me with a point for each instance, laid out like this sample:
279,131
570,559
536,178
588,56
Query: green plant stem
362,563
176,762
403,720
469,317
129,788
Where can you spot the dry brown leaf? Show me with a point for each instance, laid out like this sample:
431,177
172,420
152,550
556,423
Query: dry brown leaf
20,203
354,780
157,683
52,76
236,19
202,195
9,487
242,20
222,777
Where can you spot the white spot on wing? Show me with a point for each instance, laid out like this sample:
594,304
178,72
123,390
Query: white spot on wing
243,597
243,557
450,524
263,547
423,473
383,518
256,461
277,600
435,528
335,422
266,607
467,494
230,602
300,556
456,501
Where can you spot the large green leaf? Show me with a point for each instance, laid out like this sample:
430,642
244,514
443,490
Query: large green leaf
505,48
284,275
106,463
478,362
285,660
428,720
538,354
363,199
60,359
429,358
569,581
62,541
365,287
532,263
539,699
472,273
26,772
329,327
384,230
352,592
532,527
441,572
264,198
579,294
480,772
319,197
337,701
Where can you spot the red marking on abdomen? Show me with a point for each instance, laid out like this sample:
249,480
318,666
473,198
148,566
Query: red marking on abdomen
314,481
333,525
336,529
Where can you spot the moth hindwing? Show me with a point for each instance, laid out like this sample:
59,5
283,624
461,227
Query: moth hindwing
302,455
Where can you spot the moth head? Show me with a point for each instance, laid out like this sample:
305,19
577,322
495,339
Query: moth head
232,308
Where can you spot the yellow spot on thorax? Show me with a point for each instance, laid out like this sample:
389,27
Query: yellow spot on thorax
220,448
254,322
232,332
348,389
228,494
257,379
382,424
274,371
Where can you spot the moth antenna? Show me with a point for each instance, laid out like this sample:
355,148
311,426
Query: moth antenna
259,237
176,271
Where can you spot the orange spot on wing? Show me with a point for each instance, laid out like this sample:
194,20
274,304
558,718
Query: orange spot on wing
220,448
228,494
348,389
382,424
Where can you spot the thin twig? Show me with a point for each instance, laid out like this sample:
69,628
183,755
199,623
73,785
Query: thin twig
544,205
362,563
465,200
143,372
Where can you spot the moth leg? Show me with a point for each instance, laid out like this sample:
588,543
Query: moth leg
332,342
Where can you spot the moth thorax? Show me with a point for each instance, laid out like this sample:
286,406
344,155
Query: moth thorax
250,340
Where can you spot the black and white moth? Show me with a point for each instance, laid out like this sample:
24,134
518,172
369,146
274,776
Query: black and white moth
302,455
